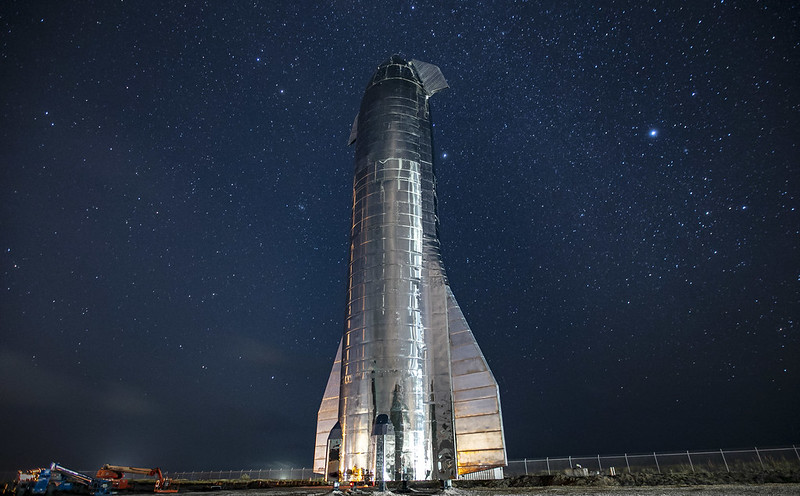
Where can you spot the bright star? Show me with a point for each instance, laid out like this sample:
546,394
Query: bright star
653,133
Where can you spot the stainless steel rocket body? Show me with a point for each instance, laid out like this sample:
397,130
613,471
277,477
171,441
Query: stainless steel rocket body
395,355
384,351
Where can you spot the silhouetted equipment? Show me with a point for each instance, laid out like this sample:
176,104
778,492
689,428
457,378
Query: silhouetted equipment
61,479
116,474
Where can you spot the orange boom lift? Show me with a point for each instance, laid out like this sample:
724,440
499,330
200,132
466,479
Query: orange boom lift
116,475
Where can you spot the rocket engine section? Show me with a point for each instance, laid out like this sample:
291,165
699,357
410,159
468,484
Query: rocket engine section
410,396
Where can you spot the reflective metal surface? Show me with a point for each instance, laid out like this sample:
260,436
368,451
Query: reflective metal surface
407,354
476,399
328,414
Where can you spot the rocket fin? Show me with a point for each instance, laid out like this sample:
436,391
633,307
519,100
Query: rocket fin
353,132
434,309
328,414
480,442
431,76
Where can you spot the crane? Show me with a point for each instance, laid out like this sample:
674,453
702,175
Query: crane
116,474
62,479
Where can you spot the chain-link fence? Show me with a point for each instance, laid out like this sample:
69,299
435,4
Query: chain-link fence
267,473
685,461
676,462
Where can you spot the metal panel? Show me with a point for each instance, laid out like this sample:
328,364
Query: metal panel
472,381
477,441
471,394
481,423
472,461
478,418
483,406
466,366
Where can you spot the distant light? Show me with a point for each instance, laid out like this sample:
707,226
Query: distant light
444,155
653,133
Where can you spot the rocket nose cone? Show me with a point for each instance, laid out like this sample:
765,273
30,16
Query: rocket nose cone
395,67
395,59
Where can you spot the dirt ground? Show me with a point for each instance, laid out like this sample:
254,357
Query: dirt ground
715,490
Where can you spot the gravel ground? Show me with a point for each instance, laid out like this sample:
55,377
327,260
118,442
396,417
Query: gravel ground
716,490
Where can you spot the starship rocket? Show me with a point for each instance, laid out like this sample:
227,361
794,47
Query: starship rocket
410,395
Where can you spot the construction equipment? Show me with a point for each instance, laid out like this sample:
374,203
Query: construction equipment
26,479
62,479
116,474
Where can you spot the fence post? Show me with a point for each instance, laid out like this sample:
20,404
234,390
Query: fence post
759,457
690,460
548,465
525,461
656,458
599,464
626,463
724,460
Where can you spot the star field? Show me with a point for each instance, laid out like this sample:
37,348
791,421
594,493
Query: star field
617,188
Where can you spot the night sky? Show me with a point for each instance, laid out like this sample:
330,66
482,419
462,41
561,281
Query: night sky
618,195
